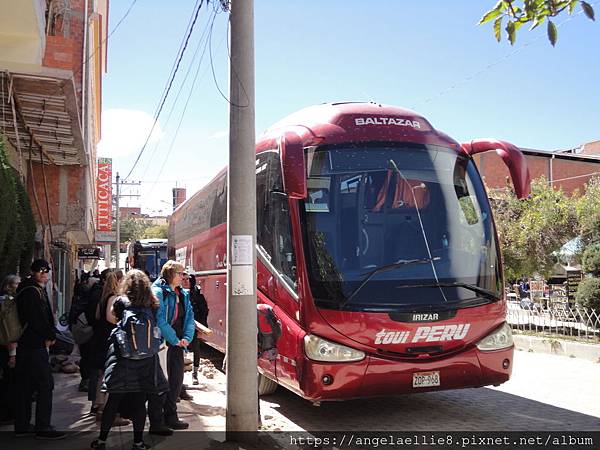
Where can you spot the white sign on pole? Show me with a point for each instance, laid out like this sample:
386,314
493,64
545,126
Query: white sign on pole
241,254
242,280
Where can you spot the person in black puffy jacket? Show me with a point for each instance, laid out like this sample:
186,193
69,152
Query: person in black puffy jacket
200,308
129,381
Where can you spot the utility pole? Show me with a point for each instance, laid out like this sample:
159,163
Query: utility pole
242,413
118,214
118,239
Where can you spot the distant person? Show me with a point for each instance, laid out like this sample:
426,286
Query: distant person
524,289
200,308
176,322
132,367
8,292
33,370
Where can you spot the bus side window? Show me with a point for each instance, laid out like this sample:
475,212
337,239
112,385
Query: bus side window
273,217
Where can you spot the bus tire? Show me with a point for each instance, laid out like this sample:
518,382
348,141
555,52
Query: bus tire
266,386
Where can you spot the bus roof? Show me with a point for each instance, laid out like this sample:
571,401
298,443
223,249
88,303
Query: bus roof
345,122
335,123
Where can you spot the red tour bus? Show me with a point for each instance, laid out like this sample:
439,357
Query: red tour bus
377,249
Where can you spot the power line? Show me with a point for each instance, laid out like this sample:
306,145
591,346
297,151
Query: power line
574,177
232,71
184,108
169,85
182,85
495,63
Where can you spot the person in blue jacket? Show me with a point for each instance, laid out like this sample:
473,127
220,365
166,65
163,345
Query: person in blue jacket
175,319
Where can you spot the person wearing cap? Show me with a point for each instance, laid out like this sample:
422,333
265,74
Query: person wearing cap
33,371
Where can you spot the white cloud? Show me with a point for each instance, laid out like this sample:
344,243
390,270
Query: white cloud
124,131
219,134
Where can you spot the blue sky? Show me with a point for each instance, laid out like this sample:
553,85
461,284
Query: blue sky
429,56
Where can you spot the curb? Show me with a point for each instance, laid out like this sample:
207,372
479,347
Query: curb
591,352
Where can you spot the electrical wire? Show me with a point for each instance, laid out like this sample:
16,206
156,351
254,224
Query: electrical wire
183,112
169,85
182,85
233,71
495,63
574,177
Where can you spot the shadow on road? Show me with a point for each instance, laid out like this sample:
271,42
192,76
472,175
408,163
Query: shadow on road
467,409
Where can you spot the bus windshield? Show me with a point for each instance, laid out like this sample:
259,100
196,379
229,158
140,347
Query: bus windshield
393,226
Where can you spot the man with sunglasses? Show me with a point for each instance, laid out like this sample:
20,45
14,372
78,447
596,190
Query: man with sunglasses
33,371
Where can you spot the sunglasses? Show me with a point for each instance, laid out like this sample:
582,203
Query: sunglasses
44,270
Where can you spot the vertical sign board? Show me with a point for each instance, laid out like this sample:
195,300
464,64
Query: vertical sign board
573,280
104,196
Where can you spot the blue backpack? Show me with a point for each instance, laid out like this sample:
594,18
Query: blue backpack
137,335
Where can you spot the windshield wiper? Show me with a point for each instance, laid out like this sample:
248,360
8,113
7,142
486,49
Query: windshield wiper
472,287
371,274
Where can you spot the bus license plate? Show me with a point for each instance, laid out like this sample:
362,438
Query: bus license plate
426,379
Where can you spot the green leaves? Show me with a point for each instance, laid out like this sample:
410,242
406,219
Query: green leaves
588,10
531,230
17,225
497,28
510,31
552,34
572,7
492,14
534,12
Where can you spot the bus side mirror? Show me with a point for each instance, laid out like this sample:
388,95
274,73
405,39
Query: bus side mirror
293,164
511,156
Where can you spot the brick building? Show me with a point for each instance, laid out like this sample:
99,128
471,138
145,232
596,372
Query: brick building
568,170
52,58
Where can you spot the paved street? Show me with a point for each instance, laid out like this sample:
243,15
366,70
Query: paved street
546,392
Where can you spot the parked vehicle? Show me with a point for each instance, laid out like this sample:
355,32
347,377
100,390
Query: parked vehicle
377,249
147,255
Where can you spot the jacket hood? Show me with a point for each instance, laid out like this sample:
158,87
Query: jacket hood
160,283
29,281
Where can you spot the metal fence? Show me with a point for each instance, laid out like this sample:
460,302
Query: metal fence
555,318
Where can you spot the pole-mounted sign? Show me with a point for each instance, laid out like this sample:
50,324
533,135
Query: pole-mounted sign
104,196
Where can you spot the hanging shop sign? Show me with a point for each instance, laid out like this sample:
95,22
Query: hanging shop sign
88,252
104,198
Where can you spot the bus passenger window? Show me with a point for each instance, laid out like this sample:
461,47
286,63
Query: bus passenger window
274,233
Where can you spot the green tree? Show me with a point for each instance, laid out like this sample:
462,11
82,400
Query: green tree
513,14
591,259
156,231
133,229
531,230
17,226
588,293
588,213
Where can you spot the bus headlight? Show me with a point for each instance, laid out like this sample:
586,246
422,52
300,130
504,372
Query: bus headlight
500,338
319,349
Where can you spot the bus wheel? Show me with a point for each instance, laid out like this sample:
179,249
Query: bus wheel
266,386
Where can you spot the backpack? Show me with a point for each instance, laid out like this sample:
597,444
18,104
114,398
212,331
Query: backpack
10,325
137,335
269,328
81,330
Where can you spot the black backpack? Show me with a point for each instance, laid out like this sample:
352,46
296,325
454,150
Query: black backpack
137,335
